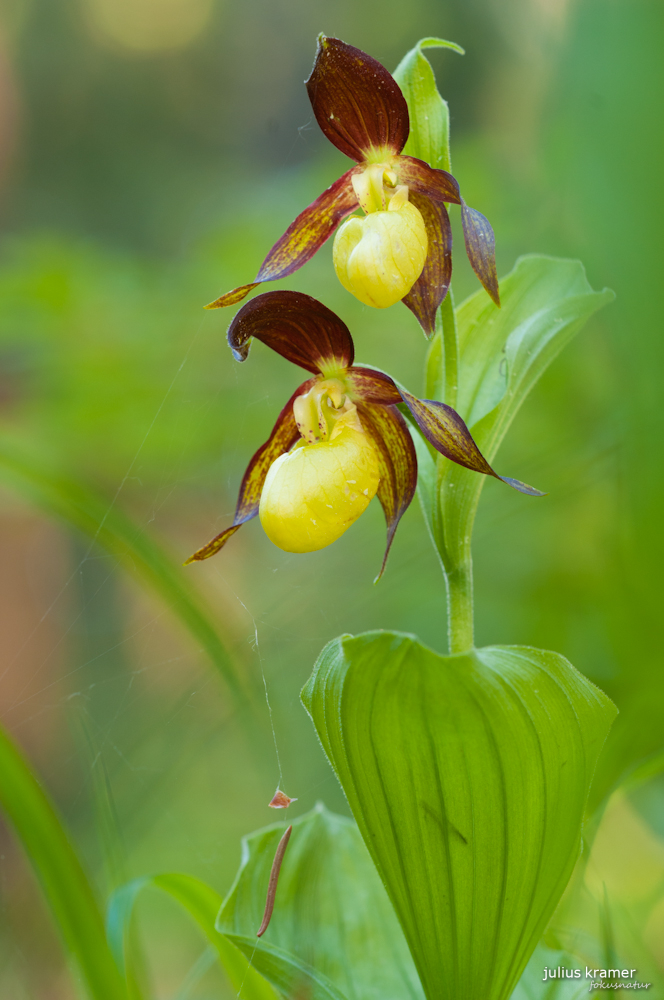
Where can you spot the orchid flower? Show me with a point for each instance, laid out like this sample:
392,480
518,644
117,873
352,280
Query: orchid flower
401,249
340,439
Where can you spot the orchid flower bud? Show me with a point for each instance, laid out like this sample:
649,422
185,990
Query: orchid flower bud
380,257
317,490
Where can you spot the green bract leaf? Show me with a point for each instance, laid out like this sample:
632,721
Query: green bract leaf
202,903
60,873
333,933
429,137
468,776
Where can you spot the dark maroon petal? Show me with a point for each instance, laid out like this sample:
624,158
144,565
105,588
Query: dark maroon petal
431,287
283,437
397,463
445,430
481,249
372,386
435,184
297,326
303,237
357,103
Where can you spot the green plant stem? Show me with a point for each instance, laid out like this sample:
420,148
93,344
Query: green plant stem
450,352
457,559
460,623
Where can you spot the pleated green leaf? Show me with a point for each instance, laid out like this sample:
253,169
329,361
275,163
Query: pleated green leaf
202,903
107,525
333,933
64,882
468,776
545,302
502,354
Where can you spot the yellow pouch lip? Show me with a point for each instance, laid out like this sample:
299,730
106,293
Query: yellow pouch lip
315,492
379,258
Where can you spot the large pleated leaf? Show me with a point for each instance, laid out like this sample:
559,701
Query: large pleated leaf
202,904
107,525
63,880
468,776
333,933
545,302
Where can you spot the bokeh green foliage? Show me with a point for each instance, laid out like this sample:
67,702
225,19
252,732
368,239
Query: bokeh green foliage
143,186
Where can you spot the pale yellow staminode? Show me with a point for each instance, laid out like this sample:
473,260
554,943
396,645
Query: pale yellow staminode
380,257
317,490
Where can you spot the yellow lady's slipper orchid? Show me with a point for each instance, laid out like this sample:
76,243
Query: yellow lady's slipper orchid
403,248
340,439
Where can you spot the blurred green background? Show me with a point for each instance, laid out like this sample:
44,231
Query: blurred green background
151,151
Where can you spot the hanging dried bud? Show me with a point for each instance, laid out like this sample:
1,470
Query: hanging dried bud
274,879
280,800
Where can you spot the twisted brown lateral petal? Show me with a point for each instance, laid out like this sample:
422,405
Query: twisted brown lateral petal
435,184
440,186
296,326
397,463
432,286
357,103
302,239
274,878
445,430
441,425
283,437
232,298
481,249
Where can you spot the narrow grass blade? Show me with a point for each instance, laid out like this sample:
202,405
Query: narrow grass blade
202,903
108,526
63,880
